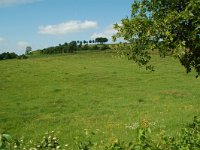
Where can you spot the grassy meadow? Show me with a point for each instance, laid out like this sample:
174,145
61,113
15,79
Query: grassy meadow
96,91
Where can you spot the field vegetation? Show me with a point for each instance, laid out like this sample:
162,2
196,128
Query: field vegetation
79,89
94,91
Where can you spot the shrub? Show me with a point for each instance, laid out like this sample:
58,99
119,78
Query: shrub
95,47
104,47
7,55
22,56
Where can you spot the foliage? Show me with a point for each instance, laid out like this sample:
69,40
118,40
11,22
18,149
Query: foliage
5,141
101,40
92,90
72,47
22,56
48,142
104,47
85,47
94,47
133,52
188,139
28,50
7,55
172,27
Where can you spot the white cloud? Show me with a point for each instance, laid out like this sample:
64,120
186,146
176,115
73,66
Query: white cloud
23,44
108,33
67,27
15,2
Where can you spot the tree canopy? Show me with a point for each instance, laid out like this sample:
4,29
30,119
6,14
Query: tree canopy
7,55
170,26
12,55
28,50
101,40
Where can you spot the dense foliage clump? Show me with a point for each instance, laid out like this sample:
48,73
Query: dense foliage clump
7,55
172,27
101,40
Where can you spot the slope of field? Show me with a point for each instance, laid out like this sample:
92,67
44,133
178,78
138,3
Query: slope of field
94,91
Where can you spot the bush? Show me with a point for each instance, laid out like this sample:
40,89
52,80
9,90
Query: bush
22,56
104,47
95,47
7,55
85,47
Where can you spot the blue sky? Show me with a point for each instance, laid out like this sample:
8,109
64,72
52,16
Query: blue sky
44,23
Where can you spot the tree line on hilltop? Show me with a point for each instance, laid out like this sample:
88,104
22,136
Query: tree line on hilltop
11,55
97,44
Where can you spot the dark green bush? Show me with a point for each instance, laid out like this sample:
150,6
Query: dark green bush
22,56
104,47
7,55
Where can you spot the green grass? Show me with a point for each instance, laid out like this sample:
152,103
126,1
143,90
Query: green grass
71,93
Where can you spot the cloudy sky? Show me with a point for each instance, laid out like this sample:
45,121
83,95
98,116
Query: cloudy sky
44,23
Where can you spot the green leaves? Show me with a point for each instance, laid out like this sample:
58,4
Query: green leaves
5,141
187,139
49,141
164,25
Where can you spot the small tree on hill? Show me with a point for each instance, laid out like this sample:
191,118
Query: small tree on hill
85,42
101,40
28,50
72,46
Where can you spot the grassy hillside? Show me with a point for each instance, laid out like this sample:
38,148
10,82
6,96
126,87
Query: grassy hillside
93,91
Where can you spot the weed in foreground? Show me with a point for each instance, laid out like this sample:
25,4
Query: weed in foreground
187,139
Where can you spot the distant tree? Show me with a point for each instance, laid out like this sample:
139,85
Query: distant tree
94,47
22,56
85,42
85,47
72,46
101,40
7,55
61,49
104,47
90,41
12,55
65,47
28,50
80,45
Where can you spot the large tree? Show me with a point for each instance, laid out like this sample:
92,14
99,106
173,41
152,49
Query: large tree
171,26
